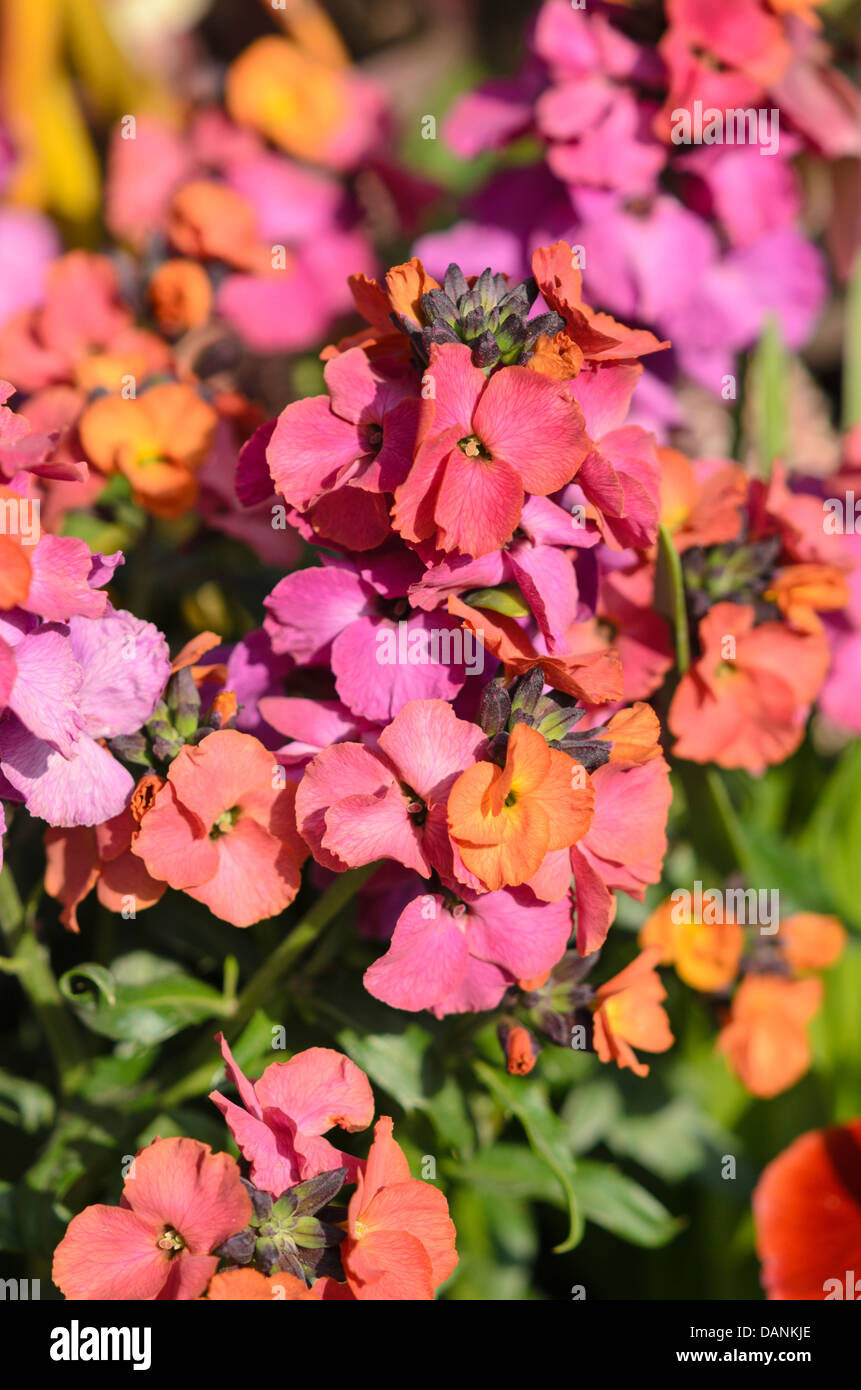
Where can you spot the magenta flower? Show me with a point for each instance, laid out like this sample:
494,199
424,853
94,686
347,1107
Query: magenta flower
480,452
357,439
381,652
460,955
283,1116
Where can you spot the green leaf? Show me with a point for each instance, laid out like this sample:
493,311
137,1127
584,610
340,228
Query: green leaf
34,1104
673,1142
617,1203
770,371
670,596
589,1113
402,1064
527,1099
142,999
509,1170
852,350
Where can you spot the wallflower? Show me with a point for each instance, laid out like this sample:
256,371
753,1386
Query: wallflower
459,955
480,452
157,440
223,829
811,941
807,1213
765,1040
348,447
505,820
746,710
628,1013
400,1238
355,805
180,1202
285,1113
706,955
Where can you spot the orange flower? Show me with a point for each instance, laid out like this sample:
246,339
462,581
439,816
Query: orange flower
807,1211
157,440
634,734
297,101
180,295
810,941
800,590
404,286
15,553
505,820
706,956
744,702
209,221
592,676
599,336
697,509
765,1040
628,1013
246,1284
521,1049
400,1238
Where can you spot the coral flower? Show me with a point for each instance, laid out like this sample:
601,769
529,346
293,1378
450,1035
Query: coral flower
505,820
223,829
706,955
807,1213
480,452
744,702
765,1040
811,941
288,1110
400,1238
180,1202
628,1013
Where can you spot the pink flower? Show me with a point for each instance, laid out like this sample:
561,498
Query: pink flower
180,1202
288,1110
381,653
483,445
460,956
355,805
360,436
223,830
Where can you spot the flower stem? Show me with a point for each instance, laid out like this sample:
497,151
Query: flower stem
29,962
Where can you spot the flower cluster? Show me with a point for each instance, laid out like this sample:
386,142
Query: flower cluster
687,223
194,1224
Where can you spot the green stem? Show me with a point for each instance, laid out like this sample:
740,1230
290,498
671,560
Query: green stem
29,962
199,1067
852,350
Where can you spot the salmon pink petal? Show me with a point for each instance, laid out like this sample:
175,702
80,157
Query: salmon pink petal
422,1211
481,988
548,582
268,1148
596,905
8,670
174,844
214,776
346,769
392,464
110,1252
430,746
124,878
457,388
374,825
387,1164
361,391
604,396
545,459
415,498
182,1184
512,930
71,868
188,1277
478,505
426,960
235,1074
256,877
389,1265
318,1088
309,449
